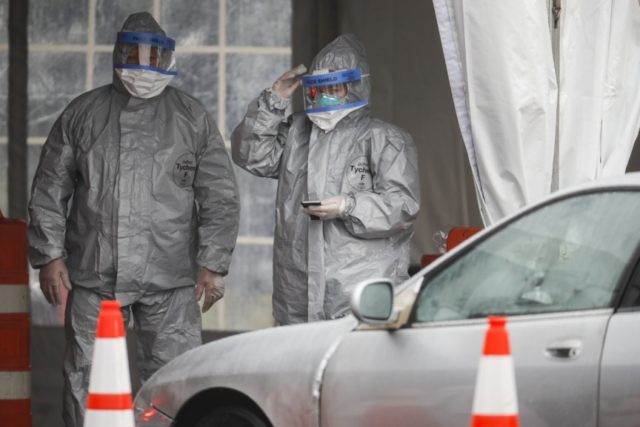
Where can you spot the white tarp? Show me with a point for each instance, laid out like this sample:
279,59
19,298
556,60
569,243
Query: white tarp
499,59
599,82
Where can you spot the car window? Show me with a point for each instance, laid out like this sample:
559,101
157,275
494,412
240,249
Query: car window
565,256
631,299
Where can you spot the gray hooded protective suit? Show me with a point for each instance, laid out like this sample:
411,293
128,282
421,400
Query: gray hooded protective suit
135,194
317,263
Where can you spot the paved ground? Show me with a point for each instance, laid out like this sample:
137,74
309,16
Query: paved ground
47,347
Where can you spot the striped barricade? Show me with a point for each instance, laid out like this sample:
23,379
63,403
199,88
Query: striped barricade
15,367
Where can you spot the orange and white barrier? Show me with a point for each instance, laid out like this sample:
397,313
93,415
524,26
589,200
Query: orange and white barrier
495,403
15,367
109,403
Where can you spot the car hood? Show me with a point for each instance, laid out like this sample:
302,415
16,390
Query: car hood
279,368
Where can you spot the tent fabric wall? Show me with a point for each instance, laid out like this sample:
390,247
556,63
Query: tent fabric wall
530,132
509,85
452,40
599,103
621,118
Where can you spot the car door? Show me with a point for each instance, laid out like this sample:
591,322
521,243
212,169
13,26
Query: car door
425,375
556,272
620,370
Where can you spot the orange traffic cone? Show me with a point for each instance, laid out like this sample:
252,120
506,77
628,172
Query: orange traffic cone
109,403
495,403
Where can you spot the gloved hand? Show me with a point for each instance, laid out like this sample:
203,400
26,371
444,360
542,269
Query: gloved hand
52,276
212,285
288,82
330,208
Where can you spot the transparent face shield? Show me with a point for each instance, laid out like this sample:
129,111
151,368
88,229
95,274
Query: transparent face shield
145,51
331,91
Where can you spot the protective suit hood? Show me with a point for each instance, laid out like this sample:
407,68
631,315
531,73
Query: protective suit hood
142,22
346,52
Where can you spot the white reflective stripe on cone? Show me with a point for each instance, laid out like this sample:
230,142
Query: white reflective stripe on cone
14,299
15,385
108,418
495,387
110,369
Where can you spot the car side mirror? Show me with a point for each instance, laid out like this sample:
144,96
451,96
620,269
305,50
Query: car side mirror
372,301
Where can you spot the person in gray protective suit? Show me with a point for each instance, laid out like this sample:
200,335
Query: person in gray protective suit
134,199
357,178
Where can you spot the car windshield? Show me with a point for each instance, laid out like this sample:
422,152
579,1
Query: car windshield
565,256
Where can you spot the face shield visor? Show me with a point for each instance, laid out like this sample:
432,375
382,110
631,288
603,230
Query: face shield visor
146,51
331,91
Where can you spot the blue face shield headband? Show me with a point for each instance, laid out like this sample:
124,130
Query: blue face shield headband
331,91
146,51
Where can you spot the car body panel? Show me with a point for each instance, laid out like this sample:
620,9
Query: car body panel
620,376
263,365
425,375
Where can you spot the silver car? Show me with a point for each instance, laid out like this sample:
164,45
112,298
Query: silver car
566,274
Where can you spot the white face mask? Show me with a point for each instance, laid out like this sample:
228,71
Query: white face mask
143,83
327,120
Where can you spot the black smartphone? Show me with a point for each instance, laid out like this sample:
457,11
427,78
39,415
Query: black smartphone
307,203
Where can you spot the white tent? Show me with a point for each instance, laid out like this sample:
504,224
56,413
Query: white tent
546,93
